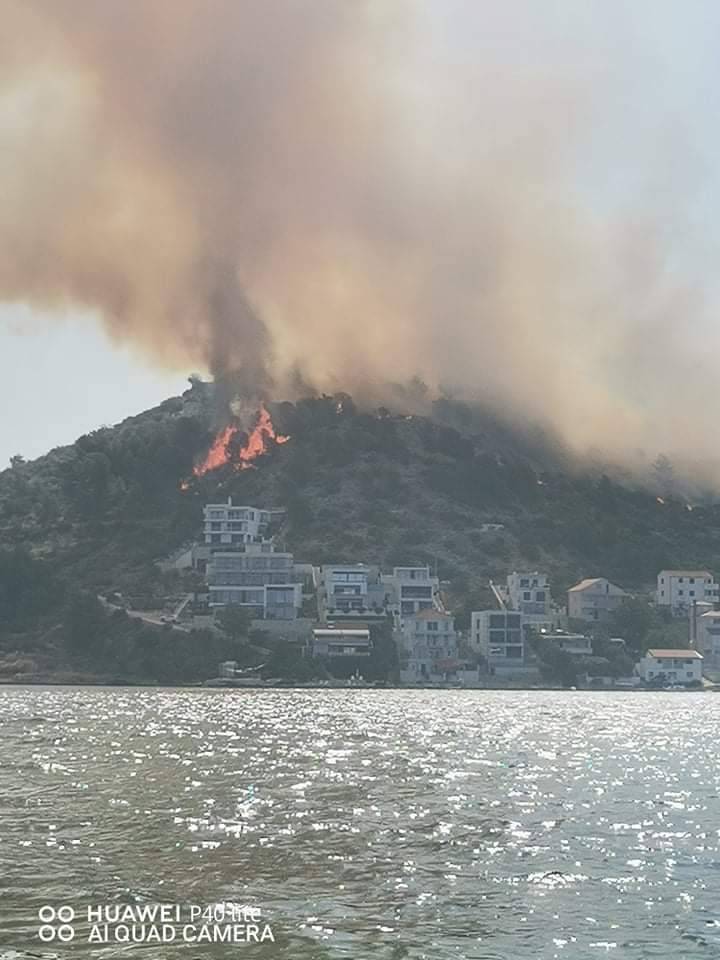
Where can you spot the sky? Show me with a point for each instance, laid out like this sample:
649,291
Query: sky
65,379
516,199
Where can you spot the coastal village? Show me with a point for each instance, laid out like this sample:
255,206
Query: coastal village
331,613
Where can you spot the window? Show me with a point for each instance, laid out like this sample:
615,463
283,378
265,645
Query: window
432,625
680,593
692,579
540,596
526,595
692,593
525,582
417,593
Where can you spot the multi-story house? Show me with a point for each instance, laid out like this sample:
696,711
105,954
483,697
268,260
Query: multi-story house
428,647
226,524
680,589
350,591
411,590
529,593
676,667
594,599
498,635
255,576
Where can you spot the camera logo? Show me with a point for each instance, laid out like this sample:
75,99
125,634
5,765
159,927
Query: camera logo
56,924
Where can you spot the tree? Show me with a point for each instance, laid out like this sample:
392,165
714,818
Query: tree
84,621
633,621
234,621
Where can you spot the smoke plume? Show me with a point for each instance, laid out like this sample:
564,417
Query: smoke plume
362,192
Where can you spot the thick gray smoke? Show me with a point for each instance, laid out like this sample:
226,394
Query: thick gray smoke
493,199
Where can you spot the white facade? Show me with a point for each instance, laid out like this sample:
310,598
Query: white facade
594,599
411,589
257,577
428,647
680,589
340,643
672,667
499,636
226,524
350,591
529,593
705,633
576,643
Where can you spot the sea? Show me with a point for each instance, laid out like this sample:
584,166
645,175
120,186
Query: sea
328,824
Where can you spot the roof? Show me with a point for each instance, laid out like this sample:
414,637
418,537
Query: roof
685,573
712,614
675,654
339,634
430,613
584,584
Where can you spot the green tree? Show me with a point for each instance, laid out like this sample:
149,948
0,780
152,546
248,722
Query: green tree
234,621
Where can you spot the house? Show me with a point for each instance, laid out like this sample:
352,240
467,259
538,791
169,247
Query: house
226,524
705,633
428,647
411,589
594,599
680,589
529,593
350,591
498,635
258,577
676,667
575,643
340,642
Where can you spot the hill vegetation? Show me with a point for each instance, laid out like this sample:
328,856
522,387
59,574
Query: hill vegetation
359,485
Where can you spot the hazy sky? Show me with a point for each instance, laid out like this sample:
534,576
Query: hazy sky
63,380
519,198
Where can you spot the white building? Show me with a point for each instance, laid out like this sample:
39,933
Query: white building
428,647
575,643
411,589
679,589
705,633
675,667
594,599
353,591
340,643
226,524
257,577
529,593
499,636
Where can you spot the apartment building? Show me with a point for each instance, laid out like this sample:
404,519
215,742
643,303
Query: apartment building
255,576
680,589
411,589
594,599
498,635
226,524
429,652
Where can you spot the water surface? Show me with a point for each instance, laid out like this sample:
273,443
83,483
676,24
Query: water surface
387,824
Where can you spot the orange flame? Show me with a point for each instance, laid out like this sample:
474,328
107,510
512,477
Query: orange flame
257,444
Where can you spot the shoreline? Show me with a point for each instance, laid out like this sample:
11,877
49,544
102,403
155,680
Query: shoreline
109,682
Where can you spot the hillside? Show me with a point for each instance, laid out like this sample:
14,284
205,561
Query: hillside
359,486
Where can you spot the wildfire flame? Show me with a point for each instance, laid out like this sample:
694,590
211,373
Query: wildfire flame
221,453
